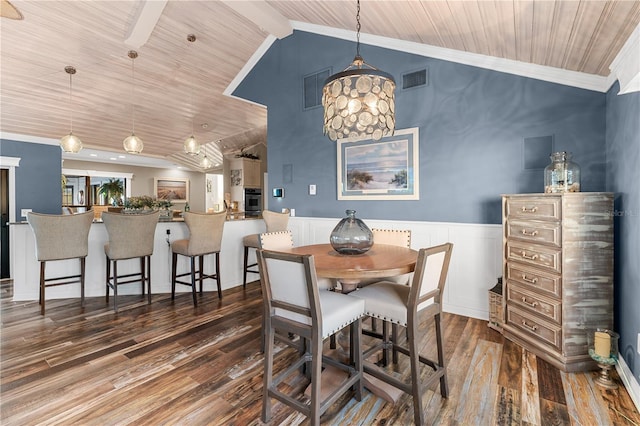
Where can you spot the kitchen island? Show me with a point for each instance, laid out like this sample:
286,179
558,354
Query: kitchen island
25,269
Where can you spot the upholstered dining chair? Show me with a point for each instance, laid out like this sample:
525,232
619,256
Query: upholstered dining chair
293,304
131,236
394,237
402,304
205,238
274,222
61,237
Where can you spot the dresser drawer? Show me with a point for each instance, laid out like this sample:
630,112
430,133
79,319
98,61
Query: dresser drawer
549,308
543,257
541,208
534,279
527,323
535,231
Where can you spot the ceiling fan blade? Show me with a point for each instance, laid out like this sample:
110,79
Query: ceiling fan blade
7,10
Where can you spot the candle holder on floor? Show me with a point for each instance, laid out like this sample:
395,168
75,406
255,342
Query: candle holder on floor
603,349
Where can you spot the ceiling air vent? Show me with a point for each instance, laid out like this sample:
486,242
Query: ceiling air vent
313,84
414,79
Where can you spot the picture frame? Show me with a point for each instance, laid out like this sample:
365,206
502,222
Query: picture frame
172,189
387,169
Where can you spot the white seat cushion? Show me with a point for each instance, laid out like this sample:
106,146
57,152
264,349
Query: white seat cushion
338,311
388,301
385,300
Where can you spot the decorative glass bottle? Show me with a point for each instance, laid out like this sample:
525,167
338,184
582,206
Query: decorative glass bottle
351,235
562,175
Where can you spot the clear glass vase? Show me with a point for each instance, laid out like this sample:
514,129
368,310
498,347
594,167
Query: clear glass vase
351,235
562,175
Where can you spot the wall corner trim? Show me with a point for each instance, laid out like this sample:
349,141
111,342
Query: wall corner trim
626,65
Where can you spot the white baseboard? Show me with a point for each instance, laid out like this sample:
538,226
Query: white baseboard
629,381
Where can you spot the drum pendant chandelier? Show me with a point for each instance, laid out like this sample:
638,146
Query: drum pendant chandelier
133,144
359,102
70,142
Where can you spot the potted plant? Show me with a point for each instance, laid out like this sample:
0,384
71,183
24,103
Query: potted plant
112,189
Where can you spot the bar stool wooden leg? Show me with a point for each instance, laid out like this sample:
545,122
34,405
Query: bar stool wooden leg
42,269
217,255
246,261
108,277
193,280
115,285
174,262
82,275
148,261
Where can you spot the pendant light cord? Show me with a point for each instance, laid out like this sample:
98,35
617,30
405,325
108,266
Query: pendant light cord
133,94
71,102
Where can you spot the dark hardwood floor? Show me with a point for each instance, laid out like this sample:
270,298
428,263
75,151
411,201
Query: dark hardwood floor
168,363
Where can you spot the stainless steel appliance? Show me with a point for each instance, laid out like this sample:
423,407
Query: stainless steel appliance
252,201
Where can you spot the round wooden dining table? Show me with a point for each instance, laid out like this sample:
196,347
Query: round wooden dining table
379,262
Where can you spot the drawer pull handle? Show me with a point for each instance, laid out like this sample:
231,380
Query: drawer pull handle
529,234
526,302
529,327
524,256
531,210
529,280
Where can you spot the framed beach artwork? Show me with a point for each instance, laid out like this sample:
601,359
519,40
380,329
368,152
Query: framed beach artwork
172,189
379,170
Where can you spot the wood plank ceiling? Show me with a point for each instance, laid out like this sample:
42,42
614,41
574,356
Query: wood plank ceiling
180,84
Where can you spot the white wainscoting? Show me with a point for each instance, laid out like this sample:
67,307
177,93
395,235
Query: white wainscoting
475,263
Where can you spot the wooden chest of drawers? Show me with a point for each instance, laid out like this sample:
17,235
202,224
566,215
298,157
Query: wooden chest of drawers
558,273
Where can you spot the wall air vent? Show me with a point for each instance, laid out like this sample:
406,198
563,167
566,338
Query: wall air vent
414,79
312,88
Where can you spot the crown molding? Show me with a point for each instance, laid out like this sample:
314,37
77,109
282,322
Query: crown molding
524,69
626,65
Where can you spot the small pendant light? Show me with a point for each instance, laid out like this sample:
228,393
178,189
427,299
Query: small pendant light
70,142
133,144
191,145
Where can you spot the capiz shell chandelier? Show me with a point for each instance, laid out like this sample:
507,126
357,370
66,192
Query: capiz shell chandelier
359,101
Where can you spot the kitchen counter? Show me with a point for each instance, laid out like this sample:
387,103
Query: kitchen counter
25,269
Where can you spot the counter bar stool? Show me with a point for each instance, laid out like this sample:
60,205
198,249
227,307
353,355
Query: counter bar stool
402,304
61,237
131,236
275,222
205,237
293,304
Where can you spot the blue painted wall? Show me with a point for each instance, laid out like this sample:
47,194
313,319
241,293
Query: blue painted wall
623,178
37,177
472,124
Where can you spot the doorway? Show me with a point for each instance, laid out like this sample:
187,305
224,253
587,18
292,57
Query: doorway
4,227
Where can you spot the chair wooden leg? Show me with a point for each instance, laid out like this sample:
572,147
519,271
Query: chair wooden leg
444,386
268,370
107,279
385,341
115,285
82,275
394,339
148,262
174,263
42,285
217,255
316,370
246,262
414,357
193,280
201,271
142,277
356,331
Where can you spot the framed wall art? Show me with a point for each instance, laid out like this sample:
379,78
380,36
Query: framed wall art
379,170
173,189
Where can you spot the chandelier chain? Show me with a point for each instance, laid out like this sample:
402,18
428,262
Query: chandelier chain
358,30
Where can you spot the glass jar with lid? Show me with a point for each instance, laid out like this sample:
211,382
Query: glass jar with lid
562,175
